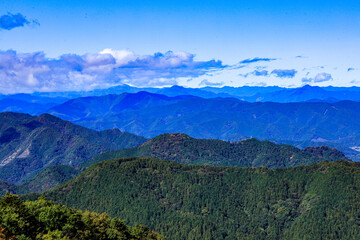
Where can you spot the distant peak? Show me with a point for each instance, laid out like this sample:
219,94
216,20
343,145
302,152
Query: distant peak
48,118
172,137
142,93
177,87
307,86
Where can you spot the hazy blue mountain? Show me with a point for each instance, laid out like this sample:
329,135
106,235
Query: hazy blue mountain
27,103
198,92
15,105
306,93
29,144
222,118
246,93
32,98
98,108
168,91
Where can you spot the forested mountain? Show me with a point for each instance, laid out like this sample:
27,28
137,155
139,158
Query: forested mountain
220,118
247,153
347,151
31,143
183,201
42,219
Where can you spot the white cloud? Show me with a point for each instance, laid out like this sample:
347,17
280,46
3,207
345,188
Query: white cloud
322,77
28,72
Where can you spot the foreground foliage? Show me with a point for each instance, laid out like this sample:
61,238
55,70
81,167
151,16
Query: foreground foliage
321,201
42,219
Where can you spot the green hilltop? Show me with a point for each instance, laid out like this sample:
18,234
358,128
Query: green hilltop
247,153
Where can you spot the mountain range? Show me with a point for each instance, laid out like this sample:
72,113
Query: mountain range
32,143
304,123
307,93
175,147
149,115
246,93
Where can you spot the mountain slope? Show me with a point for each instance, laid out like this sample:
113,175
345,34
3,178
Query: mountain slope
8,187
202,202
49,178
247,153
31,143
46,179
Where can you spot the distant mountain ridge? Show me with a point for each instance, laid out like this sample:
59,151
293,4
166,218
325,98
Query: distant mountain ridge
246,93
306,93
247,153
31,143
231,119
28,103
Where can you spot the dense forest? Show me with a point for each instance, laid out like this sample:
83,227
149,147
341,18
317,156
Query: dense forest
247,153
42,219
181,201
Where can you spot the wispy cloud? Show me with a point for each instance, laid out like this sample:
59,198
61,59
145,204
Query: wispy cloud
27,72
10,21
257,59
258,84
205,82
321,77
284,73
257,73
262,73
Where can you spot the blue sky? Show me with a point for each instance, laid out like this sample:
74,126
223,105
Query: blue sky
307,41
